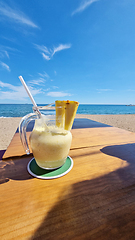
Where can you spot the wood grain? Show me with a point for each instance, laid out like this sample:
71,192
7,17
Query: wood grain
82,137
95,200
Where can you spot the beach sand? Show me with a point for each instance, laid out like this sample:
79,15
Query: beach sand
8,126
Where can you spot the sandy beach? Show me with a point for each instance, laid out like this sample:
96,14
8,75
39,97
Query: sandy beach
8,126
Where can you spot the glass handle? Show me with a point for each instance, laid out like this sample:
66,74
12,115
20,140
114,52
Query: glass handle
22,130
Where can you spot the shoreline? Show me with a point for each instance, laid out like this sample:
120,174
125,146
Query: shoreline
9,125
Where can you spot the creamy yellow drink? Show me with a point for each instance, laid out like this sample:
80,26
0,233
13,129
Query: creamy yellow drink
50,145
51,138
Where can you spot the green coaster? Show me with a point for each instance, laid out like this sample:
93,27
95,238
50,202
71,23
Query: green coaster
41,173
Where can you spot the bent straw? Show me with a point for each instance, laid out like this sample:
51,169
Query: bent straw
29,94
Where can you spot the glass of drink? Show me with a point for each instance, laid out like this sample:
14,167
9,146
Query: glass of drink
49,140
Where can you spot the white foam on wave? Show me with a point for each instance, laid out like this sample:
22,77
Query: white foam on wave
5,117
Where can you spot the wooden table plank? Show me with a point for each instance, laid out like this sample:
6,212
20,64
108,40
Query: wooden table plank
95,136
95,200
15,148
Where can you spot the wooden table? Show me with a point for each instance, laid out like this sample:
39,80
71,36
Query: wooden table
95,200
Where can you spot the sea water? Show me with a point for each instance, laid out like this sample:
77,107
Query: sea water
20,110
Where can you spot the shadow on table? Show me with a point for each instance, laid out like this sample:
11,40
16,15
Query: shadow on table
78,123
102,208
15,169
87,123
2,153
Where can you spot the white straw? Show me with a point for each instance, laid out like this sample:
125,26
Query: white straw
29,93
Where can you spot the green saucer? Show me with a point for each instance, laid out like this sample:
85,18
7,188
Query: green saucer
41,173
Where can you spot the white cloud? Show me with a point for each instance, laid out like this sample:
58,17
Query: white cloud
11,92
104,90
6,53
40,80
60,48
42,48
84,4
58,94
49,53
45,56
6,50
43,75
54,87
5,66
10,39
37,81
15,15
7,85
46,90
3,52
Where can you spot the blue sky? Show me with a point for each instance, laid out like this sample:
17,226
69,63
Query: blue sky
81,50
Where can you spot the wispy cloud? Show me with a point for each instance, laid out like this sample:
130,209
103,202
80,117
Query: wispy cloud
103,90
5,66
42,48
9,39
84,4
15,15
11,92
44,75
46,57
49,53
40,80
7,85
58,94
6,49
60,48
4,53
54,87
37,81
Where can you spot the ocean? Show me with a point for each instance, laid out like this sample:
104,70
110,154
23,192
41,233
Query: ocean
20,110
